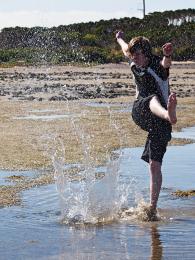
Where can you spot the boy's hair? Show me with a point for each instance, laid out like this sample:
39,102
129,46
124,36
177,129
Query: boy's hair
140,43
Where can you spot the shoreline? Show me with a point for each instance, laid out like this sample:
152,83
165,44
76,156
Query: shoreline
62,83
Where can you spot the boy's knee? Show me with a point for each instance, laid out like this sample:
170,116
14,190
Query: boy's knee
155,166
154,98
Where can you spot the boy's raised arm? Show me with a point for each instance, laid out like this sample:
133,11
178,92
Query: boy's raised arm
167,52
122,43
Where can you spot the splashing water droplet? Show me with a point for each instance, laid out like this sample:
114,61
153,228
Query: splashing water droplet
89,194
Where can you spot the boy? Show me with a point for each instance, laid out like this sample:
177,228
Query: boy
154,109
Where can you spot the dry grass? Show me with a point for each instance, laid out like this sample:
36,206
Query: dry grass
28,144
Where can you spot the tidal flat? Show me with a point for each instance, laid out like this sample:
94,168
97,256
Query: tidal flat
70,151
34,129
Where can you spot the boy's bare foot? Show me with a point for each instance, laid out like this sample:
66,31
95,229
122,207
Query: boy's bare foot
147,213
171,108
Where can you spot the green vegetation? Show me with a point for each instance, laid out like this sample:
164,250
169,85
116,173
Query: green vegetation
95,41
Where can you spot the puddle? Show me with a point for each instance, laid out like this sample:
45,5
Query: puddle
43,110
9,178
188,132
45,117
33,230
116,107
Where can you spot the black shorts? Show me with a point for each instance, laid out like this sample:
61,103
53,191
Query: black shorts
159,130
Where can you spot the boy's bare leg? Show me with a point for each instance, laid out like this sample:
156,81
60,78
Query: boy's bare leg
155,182
169,114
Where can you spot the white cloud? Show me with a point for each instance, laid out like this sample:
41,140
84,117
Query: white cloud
49,19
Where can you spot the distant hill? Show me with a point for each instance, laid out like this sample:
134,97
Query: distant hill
95,41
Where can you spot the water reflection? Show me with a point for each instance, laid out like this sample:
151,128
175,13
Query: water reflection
156,244
33,231
128,241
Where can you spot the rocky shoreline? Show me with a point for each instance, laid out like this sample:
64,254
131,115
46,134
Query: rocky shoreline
61,83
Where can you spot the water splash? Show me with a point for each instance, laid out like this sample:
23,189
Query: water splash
96,195
89,194
142,212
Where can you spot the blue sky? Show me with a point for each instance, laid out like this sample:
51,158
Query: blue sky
50,13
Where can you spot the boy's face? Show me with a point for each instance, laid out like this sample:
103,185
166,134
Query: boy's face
139,58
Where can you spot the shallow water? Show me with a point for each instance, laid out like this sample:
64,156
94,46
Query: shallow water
50,115
8,178
189,132
33,230
119,107
43,117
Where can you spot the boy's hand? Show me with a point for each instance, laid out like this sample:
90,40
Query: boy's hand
119,35
167,49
